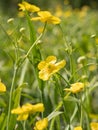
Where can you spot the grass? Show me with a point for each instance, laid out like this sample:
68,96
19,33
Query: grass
23,45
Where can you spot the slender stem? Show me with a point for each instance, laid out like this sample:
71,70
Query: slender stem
71,66
10,39
81,118
33,45
24,125
63,34
30,49
64,79
10,97
81,69
52,124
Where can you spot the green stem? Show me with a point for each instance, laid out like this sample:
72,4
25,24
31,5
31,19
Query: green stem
64,79
24,125
63,34
10,97
71,66
52,124
81,118
30,49
33,45
81,69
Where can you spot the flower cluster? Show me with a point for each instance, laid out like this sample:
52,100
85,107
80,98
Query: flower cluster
43,16
24,111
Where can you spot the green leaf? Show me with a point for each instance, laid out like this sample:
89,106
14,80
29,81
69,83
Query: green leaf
3,118
73,114
2,103
54,114
16,101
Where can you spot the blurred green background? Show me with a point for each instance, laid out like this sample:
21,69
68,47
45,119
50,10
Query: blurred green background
10,6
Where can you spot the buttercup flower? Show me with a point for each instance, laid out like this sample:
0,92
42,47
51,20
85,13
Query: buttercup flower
94,126
49,67
96,40
78,128
75,88
24,111
46,16
29,7
68,13
92,67
41,124
2,87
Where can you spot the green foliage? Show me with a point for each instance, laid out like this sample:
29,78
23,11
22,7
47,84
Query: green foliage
23,44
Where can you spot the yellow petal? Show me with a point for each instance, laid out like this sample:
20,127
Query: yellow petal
35,18
21,7
22,117
96,40
33,8
44,74
75,88
17,111
41,124
2,87
29,7
39,107
41,65
51,59
44,14
54,20
60,64
93,116
94,126
26,108
78,128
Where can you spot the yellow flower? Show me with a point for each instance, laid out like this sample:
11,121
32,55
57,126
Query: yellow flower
92,67
21,14
96,40
2,87
93,116
24,111
78,128
29,7
68,13
75,88
45,16
49,67
94,126
59,11
41,124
